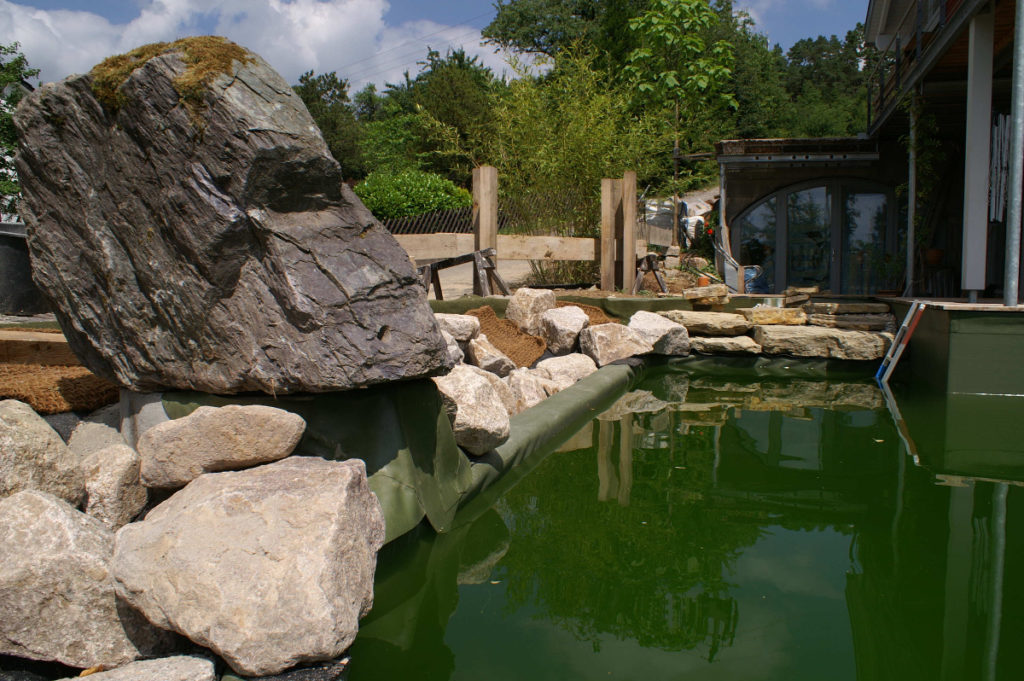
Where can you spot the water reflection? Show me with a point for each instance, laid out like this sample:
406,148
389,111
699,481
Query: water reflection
707,528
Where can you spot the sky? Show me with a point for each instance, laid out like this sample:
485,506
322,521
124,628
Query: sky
362,40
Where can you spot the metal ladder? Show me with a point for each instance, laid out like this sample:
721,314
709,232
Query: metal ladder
899,343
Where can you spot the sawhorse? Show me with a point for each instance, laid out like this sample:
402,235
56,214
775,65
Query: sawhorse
485,270
648,263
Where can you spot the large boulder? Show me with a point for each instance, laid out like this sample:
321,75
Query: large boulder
819,341
483,354
476,411
566,370
177,668
606,343
709,323
114,494
462,327
191,229
267,567
214,439
57,590
725,345
560,328
529,388
33,456
667,337
527,305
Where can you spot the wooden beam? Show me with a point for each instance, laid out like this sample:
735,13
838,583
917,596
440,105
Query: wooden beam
611,204
628,230
35,347
485,216
422,247
515,247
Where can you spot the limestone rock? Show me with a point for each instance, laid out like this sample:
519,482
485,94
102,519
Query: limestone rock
114,494
33,456
526,306
667,337
709,323
217,439
566,370
57,590
98,430
502,388
529,388
792,316
454,349
701,292
847,308
856,322
479,419
606,343
267,567
560,327
178,668
211,246
483,354
724,345
817,341
462,326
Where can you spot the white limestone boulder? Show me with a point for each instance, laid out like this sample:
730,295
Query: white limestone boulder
57,588
483,354
529,388
454,349
462,326
667,337
33,456
177,668
216,439
724,345
709,323
606,343
527,305
566,370
114,493
501,387
98,430
478,417
267,567
819,341
560,328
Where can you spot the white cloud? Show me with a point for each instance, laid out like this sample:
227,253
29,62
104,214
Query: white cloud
347,36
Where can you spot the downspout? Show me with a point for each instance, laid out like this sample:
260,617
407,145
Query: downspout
1011,283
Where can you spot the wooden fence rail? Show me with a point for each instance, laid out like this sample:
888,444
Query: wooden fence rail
616,249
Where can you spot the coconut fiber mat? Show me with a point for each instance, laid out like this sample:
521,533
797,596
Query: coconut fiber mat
54,389
504,334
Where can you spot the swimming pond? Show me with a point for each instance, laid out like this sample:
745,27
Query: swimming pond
714,528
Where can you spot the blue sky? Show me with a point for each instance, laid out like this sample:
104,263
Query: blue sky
363,40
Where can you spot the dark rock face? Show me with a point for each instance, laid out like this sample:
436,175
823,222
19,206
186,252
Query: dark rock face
213,248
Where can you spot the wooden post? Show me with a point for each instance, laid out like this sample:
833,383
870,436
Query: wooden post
485,217
628,230
611,206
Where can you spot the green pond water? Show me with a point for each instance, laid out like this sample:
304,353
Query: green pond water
706,528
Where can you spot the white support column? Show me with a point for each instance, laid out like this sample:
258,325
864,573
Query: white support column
978,143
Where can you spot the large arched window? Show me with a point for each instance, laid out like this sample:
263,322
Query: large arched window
838,234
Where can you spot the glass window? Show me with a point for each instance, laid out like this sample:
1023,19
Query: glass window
865,262
757,244
809,238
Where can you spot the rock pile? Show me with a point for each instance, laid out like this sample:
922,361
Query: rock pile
192,231
268,565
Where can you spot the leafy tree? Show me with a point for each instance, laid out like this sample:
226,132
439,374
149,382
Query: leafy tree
14,75
326,97
410,192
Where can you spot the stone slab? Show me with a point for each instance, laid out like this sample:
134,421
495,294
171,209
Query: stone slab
818,341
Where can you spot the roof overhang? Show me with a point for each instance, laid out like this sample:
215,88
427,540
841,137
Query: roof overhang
797,151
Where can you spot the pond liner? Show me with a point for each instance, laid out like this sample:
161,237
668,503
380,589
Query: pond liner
402,433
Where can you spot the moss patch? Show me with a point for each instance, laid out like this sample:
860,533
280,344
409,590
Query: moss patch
205,57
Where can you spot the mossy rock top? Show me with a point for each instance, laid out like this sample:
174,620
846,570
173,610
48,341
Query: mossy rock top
206,57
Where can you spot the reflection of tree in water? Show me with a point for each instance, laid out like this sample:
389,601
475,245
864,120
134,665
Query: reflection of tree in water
642,571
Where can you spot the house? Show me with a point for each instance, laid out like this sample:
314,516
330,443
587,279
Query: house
931,170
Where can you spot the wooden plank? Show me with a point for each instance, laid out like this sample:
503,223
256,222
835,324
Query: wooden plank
422,247
515,247
628,230
34,347
485,218
611,199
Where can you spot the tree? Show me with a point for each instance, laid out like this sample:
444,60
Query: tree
14,75
326,97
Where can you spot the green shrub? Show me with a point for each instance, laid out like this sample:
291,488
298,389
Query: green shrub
410,192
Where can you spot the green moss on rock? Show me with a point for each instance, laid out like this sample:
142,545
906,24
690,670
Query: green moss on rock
206,57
